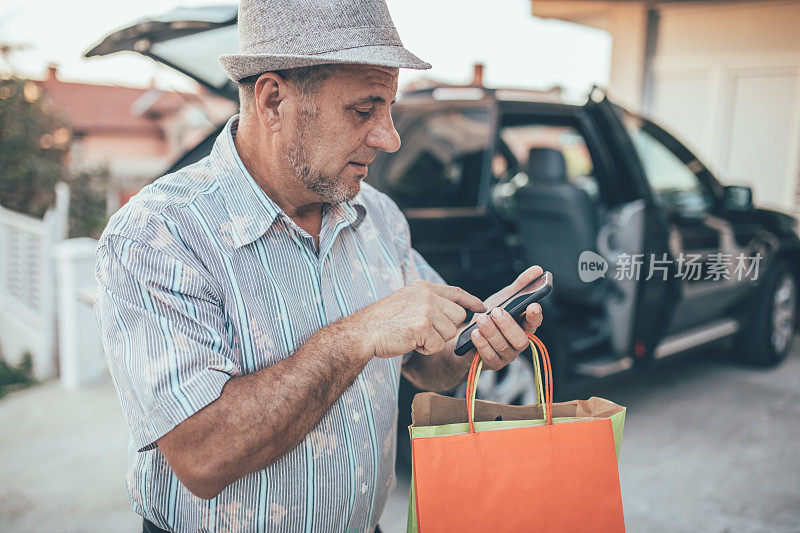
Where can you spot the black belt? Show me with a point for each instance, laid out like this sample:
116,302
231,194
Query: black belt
149,527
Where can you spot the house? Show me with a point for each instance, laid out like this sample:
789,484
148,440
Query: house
136,133
428,83
722,75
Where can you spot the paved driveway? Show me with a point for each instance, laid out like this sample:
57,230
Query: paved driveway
709,445
62,461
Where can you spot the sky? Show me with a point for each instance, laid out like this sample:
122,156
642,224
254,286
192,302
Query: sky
518,50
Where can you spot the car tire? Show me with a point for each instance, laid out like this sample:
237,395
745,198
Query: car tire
514,384
511,385
766,339
404,456
406,394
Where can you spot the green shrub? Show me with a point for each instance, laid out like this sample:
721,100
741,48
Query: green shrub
16,377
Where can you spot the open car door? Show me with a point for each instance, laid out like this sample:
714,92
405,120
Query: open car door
634,231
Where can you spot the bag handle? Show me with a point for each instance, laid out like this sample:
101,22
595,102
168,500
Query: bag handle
537,379
537,375
547,386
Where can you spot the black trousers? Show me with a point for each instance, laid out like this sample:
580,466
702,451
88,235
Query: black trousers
149,527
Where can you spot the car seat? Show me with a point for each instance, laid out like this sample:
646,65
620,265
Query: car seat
557,221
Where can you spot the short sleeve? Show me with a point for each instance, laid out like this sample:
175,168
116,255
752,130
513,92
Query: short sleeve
163,335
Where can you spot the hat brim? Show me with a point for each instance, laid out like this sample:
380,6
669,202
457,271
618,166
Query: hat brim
239,66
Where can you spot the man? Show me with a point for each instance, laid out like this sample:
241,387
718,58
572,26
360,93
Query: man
259,306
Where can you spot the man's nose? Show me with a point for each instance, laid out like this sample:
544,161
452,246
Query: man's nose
383,136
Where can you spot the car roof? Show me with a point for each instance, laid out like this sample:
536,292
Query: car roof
506,100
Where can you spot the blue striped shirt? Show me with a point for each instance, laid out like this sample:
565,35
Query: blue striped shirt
202,277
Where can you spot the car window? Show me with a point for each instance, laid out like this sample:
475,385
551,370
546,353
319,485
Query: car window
440,161
519,139
675,185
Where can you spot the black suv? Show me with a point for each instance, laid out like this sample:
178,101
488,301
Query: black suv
651,255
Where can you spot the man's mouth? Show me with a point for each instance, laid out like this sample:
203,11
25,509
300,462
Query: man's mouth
362,167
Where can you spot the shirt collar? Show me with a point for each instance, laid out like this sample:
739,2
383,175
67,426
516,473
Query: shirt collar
250,210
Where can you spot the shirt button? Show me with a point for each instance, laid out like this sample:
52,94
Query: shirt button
356,416
363,488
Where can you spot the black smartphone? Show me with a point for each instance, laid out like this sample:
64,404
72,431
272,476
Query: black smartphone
515,305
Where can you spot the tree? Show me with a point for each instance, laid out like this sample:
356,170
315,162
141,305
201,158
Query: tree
87,203
33,146
34,143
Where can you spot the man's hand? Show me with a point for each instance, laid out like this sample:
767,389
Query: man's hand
421,316
498,338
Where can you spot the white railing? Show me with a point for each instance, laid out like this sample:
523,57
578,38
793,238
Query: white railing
28,286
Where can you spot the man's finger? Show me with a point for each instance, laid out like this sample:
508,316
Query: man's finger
524,279
489,357
432,342
533,318
454,312
518,284
510,330
500,344
443,325
459,296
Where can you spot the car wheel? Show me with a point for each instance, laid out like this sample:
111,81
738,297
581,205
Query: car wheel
767,338
511,385
405,397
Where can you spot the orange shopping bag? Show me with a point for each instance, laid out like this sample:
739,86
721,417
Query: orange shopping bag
553,477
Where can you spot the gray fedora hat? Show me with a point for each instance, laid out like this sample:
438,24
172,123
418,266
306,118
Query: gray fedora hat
281,34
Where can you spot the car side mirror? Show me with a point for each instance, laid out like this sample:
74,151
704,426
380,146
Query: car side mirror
690,207
738,197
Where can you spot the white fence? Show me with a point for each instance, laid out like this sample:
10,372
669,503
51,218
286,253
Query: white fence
80,352
28,284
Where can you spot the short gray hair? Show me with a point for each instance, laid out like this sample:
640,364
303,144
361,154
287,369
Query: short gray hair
308,80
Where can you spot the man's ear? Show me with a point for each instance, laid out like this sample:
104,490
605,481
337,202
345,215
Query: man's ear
268,94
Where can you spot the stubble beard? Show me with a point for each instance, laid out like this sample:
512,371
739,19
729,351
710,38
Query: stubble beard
331,188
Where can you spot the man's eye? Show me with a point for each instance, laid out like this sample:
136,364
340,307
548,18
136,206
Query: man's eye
364,113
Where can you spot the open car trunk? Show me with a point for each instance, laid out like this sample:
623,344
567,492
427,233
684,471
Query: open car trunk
188,40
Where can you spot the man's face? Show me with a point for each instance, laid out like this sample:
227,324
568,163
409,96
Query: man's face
338,132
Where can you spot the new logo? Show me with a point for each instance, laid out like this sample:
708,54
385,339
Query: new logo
591,266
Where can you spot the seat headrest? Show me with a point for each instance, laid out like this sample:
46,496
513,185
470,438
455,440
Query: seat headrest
546,164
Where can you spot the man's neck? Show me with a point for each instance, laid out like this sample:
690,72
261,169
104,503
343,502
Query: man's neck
271,173
263,163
